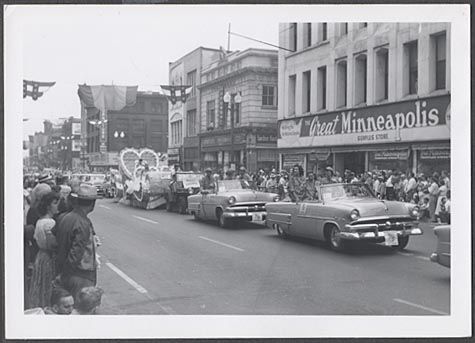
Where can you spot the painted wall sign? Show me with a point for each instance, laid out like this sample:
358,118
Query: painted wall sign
421,119
391,155
290,160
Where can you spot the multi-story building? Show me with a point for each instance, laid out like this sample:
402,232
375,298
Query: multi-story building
141,125
239,110
183,140
364,96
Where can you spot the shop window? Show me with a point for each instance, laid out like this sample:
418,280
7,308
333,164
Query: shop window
341,83
360,79
307,34
440,60
410,53
322,88
210,114
237,112
306,91
268,95
292,89
381,74
191,123
293,36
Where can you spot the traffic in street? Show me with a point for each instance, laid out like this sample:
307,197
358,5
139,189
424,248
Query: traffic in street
156,262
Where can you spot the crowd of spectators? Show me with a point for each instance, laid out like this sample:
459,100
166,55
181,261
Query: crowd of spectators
60,263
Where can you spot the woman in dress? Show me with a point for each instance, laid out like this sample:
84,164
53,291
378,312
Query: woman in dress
44,267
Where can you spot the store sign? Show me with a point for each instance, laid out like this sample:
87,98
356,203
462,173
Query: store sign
174,151
391,155
215,141
421,119
76,128
76,145
435,154
266,138
290,160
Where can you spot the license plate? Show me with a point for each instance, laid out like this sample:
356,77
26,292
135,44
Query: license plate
256,217
390,238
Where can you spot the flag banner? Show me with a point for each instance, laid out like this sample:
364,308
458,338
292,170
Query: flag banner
108,98
176,93
35,89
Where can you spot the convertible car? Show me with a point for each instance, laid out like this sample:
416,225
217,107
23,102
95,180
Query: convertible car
343,213
230,203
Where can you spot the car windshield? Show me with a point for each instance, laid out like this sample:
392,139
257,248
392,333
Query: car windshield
228,185
334,192
189,180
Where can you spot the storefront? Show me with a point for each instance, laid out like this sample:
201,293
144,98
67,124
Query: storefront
103,162
174,156
411,135
253,148
191,153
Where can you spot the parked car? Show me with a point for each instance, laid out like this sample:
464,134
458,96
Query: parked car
186,184
442,253
96,180
343,213
230,203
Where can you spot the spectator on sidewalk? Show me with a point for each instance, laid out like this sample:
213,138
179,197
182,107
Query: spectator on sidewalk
76,261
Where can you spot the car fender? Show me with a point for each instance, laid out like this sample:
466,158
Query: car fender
327,223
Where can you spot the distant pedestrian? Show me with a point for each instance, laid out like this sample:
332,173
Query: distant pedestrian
76,261
433,196
44,270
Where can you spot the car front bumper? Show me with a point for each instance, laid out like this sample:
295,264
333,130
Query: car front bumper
372,231
250,216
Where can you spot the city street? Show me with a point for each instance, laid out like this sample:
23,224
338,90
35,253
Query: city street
155,262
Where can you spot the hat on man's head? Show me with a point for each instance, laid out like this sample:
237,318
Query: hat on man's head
86,192
330,169
208,170
242,169
45,178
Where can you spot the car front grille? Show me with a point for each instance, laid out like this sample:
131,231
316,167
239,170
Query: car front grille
387,224
248,208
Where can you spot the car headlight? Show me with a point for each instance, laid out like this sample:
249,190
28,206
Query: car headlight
190,190
415,211
276,198
231,200
354,214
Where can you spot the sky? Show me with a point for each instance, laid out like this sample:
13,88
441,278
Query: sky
122,45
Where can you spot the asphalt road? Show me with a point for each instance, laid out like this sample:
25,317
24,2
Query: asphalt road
155,262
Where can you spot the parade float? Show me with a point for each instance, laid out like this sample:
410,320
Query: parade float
145,178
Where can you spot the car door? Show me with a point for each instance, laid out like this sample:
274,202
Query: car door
208,205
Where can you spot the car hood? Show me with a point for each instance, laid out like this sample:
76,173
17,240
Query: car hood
375,208
250,196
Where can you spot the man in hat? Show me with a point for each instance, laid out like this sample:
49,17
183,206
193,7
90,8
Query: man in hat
76,259
47,179
207,183
229,174
272,185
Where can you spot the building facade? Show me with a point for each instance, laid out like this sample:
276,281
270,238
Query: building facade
183,141
365,96
142,125
239,111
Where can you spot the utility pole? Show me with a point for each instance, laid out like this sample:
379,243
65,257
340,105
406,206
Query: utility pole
229,37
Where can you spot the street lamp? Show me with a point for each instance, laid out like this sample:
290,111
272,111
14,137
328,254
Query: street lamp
230,101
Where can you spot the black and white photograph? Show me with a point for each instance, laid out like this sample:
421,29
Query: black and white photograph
237,171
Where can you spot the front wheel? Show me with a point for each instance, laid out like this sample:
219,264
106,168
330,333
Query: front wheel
334,239
280,231
222,221
402,243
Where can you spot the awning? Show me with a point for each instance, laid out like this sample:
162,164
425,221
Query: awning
431,146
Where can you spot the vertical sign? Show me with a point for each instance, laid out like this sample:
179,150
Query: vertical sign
221,122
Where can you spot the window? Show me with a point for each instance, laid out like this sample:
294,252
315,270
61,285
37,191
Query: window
237,112
381,74
360,79
411,56
306,91
268,95
440,57
324,32
292,86
341,78
191,81
293,36
210,114
176,128
322,88
191,123
307,32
